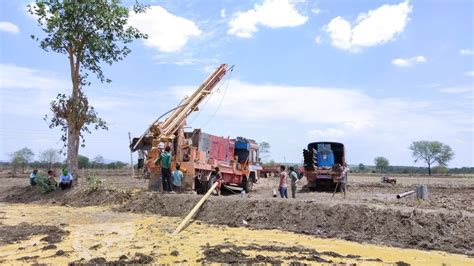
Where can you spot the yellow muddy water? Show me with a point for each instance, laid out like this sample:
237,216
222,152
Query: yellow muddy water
99,232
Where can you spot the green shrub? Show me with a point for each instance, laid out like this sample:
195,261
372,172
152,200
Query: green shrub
93,180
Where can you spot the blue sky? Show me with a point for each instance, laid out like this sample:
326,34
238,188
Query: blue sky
375,75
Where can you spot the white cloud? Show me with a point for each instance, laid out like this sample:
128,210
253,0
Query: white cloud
271,13
9,27
166,32
333,134
369,125
466,52
408,62
316,10
318,39
223,15
375,27
469,73
16,77
456,90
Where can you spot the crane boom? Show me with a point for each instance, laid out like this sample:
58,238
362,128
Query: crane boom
164,131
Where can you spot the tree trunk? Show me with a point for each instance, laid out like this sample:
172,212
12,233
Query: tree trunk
429,169
72,147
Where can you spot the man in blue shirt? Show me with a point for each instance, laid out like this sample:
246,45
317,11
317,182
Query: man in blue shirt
65,180
33,177
177,178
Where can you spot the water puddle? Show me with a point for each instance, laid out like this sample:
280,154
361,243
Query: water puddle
98,232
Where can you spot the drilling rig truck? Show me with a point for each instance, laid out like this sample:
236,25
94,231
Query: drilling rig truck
196,152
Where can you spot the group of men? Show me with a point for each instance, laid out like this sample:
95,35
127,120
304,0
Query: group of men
171,182
49,183
293,176
283,183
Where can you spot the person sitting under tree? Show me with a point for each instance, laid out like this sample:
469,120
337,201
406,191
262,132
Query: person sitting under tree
65,180
52,179
33,176
47,184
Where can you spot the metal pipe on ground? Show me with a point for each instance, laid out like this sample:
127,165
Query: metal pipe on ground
404,194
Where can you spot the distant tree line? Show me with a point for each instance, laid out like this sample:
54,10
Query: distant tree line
398,169
52,158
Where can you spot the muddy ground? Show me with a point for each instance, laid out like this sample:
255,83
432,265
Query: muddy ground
14,233
370,212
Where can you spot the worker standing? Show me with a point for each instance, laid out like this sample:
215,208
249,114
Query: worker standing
177,178
283,187
344,180
218,180
294,179
141,161
165,159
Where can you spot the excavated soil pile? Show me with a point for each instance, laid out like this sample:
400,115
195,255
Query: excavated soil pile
400,226
10,234
407,227
78,197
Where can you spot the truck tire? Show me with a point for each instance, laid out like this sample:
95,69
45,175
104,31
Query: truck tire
247,184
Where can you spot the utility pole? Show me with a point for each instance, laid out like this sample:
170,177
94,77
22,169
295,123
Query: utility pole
131,156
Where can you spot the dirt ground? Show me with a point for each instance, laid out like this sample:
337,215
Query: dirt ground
370,213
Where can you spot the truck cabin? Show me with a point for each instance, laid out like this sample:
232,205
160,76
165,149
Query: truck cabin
246,151
322,155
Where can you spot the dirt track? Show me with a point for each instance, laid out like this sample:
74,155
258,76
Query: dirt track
370,213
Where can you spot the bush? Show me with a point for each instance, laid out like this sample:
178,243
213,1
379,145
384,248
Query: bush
93,180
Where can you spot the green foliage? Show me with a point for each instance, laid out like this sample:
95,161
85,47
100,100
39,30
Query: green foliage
431,152
90,33
93,180
45,184
77,109
361,167
83,161
381,163
91,30
440,170
21,158
116,165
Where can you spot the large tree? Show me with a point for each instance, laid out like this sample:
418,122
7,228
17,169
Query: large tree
381,163
50,157
21,158
431,152
89,33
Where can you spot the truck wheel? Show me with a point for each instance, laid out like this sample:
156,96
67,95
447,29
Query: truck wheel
247,185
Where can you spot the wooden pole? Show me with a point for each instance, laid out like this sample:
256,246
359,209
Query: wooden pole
195,209
131,156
